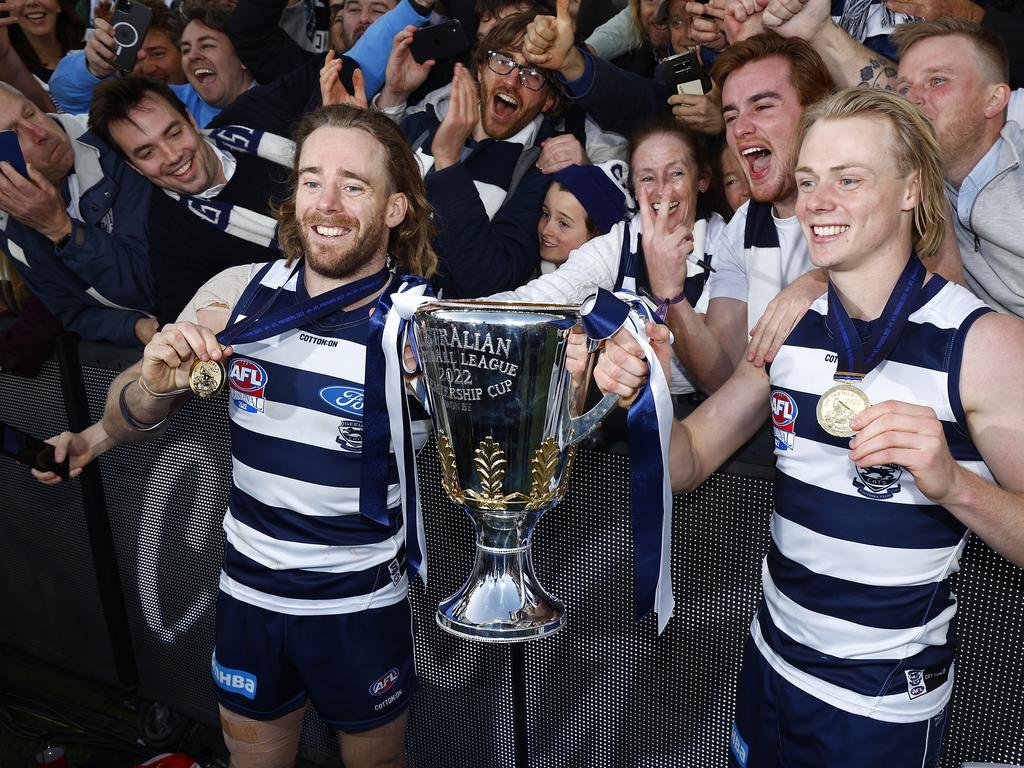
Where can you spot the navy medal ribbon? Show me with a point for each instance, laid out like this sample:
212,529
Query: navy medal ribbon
858,357
256,327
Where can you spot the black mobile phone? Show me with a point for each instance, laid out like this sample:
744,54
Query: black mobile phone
28,449
441,41
130,21
684,72
10,150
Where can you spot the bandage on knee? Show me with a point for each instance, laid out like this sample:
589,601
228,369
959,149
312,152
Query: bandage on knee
262,743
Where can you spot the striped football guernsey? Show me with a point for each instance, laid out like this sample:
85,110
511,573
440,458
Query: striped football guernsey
296,542
857,608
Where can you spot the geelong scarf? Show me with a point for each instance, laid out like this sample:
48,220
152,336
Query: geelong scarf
241,222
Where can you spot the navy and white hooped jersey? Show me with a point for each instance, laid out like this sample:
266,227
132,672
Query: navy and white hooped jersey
857,608
296,541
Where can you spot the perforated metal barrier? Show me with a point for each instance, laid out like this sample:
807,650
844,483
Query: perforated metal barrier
605,691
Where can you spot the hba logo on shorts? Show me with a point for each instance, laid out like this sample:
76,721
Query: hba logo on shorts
739,746
233,680
384,683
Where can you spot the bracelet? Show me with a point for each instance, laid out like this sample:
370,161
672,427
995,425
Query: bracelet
663,304
159,395
129,418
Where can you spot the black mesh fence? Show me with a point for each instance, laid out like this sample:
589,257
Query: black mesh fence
604,691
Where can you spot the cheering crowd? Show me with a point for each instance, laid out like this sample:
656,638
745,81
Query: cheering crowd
818,199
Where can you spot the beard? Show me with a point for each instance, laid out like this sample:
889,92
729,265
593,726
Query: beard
338,262
502,131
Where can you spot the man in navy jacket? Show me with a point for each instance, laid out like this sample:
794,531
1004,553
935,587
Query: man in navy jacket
76,229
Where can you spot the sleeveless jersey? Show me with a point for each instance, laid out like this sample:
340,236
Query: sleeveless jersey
296,541
857,608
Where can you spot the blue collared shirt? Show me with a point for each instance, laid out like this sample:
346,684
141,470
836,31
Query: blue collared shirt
980,175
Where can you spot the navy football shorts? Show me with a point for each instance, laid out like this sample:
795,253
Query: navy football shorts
779,726
356,668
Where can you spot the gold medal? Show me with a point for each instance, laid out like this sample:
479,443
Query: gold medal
837,407
206,377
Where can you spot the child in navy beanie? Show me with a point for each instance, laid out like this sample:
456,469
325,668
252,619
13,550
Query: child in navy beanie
583,202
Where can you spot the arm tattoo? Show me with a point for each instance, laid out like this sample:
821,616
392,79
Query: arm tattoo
878,73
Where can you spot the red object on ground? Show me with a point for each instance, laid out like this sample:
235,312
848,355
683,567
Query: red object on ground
52,757
170,760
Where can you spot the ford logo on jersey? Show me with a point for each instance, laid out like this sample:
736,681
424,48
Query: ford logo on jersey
346,399
784,412
384,683
248,382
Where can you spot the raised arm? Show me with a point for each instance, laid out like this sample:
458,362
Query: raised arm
710,435
849,62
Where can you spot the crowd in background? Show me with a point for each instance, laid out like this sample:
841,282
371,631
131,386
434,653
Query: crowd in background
559,152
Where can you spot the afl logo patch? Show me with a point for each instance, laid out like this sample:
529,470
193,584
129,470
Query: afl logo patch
248,382
384,683
346,399
784,412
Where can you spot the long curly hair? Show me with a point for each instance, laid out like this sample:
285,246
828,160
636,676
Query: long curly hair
409,244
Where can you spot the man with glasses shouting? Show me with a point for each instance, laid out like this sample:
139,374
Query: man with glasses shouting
477,142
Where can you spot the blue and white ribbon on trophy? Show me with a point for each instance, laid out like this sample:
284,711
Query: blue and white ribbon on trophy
649,424
387,418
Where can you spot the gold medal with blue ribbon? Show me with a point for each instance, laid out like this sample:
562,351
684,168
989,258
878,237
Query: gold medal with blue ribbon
857,355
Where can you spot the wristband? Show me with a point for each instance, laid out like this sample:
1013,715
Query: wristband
159,395
130,420
663,304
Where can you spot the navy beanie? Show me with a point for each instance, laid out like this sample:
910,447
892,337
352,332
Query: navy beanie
602,198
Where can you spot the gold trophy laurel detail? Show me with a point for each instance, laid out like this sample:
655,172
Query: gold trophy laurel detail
489,460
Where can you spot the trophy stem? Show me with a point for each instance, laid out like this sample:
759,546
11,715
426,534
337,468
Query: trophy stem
502,601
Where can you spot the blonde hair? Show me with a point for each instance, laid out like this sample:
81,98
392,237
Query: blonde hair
409,243
914,148
988,44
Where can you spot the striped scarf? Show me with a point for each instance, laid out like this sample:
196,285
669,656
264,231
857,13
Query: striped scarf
235,220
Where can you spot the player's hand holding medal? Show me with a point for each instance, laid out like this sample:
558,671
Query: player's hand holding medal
183,357
858,356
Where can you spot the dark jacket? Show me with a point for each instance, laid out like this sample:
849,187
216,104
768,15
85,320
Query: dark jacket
100,283
187,251
478,256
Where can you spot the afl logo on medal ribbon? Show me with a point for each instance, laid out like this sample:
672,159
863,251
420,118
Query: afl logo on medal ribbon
248,382
784,413
384,683
346,399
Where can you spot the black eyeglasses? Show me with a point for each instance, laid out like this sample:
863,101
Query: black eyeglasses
501,64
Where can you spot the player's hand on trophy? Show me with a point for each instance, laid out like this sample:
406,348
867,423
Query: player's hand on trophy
167,359
577,354
912,436
782,314
622,367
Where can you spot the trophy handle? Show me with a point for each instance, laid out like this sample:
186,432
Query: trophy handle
581,426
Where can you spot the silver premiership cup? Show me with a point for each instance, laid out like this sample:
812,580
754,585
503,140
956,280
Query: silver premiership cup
507,414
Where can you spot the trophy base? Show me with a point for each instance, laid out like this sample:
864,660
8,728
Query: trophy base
498,631
502,601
